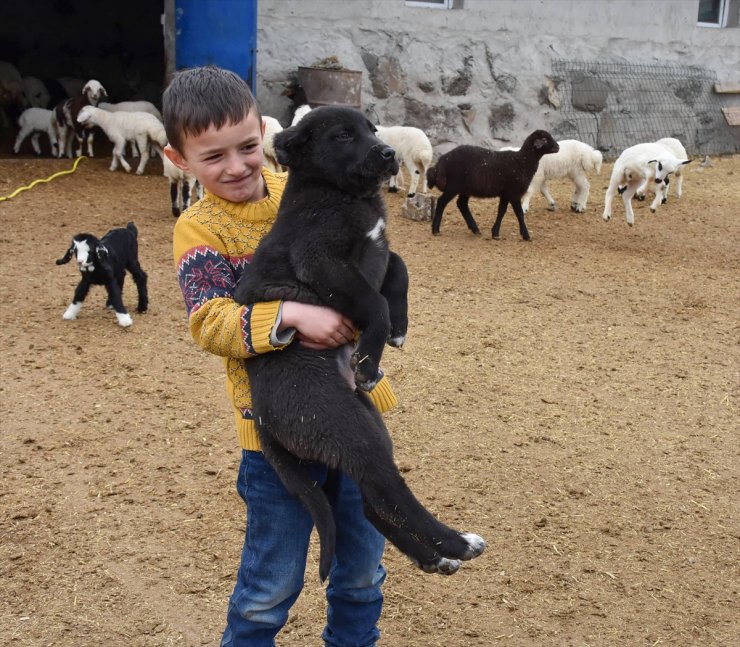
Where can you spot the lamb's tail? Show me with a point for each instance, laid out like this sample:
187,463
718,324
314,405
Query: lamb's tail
596,159
130,226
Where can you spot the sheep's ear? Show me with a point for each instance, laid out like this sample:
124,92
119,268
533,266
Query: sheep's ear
287,142
67,256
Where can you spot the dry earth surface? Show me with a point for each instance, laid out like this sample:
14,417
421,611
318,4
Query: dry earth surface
572,399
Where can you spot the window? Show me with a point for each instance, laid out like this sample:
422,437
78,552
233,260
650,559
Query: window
435,4
713,13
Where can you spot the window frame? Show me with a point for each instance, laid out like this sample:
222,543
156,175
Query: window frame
724,11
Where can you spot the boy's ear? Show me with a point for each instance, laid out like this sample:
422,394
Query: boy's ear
178,160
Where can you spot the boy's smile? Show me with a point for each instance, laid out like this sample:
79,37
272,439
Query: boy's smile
227,161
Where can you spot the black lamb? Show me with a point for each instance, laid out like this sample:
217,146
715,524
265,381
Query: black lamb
472,171
104,262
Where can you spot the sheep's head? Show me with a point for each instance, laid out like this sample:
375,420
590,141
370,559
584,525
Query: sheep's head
94,92
665,166
84,250
85,115
541,142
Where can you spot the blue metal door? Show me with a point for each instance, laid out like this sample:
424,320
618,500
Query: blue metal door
217,32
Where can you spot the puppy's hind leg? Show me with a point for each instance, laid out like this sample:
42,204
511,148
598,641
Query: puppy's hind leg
301,485
395,290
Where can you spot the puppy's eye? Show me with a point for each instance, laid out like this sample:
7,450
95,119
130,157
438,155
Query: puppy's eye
344,136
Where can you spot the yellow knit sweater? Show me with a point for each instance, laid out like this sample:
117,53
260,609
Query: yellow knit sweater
213,242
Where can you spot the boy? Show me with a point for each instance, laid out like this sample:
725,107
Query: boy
215,132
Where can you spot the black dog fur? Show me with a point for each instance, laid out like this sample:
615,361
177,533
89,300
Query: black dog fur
105,263
328,247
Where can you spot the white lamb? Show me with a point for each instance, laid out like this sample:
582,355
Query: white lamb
637,166
121,127
413,150
574,160
132,106
34,121
181,186
272,128
676,147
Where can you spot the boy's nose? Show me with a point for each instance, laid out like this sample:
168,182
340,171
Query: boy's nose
234,164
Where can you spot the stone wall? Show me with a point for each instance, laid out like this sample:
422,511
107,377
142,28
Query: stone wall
482,73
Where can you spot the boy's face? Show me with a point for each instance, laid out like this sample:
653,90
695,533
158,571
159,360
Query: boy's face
227,161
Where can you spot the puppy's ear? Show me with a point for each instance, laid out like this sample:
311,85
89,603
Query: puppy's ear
67,256
289,141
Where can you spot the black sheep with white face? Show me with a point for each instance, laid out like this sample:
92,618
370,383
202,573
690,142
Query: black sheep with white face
105,262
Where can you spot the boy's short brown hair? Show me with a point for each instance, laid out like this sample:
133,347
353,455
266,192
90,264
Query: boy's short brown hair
200,97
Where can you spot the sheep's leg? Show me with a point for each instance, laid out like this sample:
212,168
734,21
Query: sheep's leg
134,148
118,148
517,206
502,204
527,197
580,195
24,132
73,309
90,137
35,143
462,204
546,192
140,277
627,194
442,202
424,185
395,182
141,143
415,172
175,197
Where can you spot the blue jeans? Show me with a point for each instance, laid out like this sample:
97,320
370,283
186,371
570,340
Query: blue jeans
273,562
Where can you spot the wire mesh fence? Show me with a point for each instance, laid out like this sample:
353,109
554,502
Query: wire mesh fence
613,105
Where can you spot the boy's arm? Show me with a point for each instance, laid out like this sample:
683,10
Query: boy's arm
217,323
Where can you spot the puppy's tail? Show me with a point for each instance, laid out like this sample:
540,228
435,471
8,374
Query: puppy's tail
132,228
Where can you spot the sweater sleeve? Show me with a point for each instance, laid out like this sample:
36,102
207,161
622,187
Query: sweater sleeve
218,324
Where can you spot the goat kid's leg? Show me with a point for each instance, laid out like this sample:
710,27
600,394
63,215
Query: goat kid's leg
679,184
140,279
609,197
73,309
641,191
661,193
442,202
115,298
395,290
502,204
462,205
580,195
627,195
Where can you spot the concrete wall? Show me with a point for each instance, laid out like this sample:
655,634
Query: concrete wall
480,73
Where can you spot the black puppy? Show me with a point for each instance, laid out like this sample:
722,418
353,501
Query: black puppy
104,262
328,246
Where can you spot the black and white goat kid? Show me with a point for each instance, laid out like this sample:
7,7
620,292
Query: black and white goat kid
328,246
104,262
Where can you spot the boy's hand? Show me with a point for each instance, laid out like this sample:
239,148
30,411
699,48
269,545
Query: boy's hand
318,327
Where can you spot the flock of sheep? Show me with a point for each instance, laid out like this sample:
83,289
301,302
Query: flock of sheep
511,174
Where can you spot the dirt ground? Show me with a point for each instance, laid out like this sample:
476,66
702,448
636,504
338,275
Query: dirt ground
572,399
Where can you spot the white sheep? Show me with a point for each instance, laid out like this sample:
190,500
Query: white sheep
272,127
11,90
181,186
35,92
121,127
636,166
574,160
132,106
34,121
300,112
413,150
676,147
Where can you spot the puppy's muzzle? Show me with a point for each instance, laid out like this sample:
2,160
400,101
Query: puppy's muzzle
388,156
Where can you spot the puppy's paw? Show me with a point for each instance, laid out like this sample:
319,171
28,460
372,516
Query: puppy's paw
476,545
124,319
73,309
366,371
442,566
397,340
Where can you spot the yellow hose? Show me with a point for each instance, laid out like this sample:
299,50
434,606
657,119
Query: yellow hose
40,180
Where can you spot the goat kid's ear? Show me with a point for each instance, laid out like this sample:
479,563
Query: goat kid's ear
686,162
288,141
67,256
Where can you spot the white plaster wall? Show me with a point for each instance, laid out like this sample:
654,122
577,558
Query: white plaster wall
451,69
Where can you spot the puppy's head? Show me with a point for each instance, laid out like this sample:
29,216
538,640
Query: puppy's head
84,249
337,145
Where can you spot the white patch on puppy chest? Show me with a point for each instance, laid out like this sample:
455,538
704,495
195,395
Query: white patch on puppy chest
376,232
